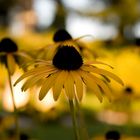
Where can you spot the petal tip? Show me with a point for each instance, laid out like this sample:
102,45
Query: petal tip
55,98
40,98
121,82
101,100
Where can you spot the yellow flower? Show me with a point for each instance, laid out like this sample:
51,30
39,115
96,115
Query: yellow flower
61,38
68,72
9,54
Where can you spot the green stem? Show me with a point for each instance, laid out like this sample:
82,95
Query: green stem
74,120
82,124
14,105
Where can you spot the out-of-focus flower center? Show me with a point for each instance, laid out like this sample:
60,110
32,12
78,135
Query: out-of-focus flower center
67,58
128,90
7,45
112,135
61,35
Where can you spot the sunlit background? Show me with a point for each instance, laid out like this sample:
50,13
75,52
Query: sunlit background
114,29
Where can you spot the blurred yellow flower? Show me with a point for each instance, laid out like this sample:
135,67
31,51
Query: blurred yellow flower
68,72
61,38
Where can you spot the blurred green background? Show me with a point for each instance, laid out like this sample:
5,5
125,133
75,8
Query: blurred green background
115,29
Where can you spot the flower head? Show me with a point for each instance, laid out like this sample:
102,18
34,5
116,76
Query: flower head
68,72
62,38
10,55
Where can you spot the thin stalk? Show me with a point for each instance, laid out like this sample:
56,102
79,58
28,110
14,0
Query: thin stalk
74,120
14,105
82,125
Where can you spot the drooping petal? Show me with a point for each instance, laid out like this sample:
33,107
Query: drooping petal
32,81
89,81
59,82
23,54
30,73
37,62
102,72
106,78
98,62
78,84
47,85
104,87
43,62
69,87
37,70
11,63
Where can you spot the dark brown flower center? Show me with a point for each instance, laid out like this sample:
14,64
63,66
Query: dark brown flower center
7,45
67,58
61,35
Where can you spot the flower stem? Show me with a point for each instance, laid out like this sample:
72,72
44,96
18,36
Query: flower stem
74,120
14,105
82,124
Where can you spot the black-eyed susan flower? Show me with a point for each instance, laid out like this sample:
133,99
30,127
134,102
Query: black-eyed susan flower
62,38
10,55
67,71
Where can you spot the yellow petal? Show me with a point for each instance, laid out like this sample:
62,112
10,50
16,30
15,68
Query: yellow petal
32,81
89,81
98,62
43,62
51,50
11,63
58,85
81,37
103,72
24,55
106,78
78,84
47,85
69,87
38,71
30,73
104,87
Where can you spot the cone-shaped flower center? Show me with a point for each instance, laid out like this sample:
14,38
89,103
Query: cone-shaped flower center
67,58
7,45
61,35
